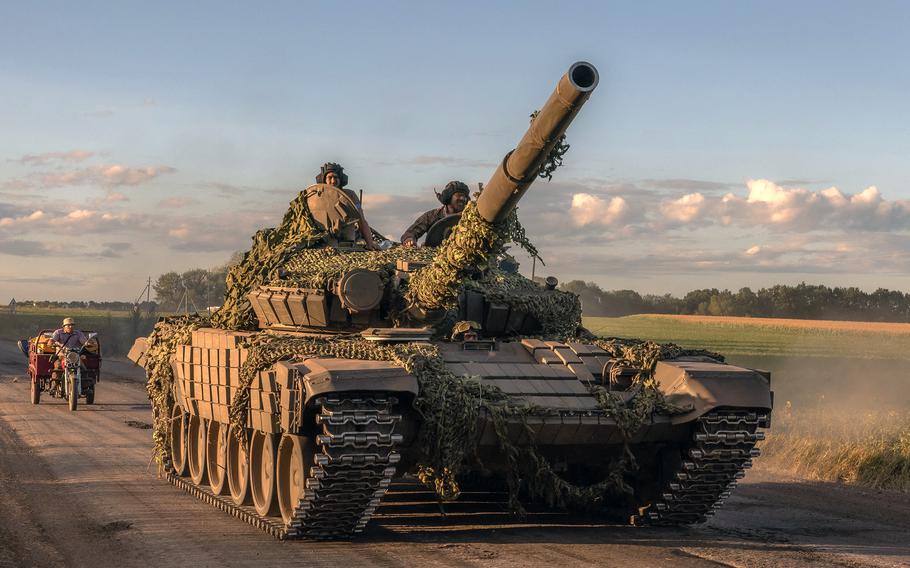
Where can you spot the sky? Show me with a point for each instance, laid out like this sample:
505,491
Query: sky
728,144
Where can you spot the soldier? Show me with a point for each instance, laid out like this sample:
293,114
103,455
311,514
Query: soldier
333,174
454,197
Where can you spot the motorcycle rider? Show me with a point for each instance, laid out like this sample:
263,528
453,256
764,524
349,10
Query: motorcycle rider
453,198
69,337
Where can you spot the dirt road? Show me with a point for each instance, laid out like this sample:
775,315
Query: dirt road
77,489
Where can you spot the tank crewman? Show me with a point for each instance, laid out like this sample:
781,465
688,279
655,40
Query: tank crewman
69,337
454,197
333,174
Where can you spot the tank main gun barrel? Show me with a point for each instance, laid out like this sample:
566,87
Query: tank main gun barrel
474,237
520,166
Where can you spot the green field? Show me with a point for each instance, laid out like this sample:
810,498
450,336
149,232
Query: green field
116,329
740,337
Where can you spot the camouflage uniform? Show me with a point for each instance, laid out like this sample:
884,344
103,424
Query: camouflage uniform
423,224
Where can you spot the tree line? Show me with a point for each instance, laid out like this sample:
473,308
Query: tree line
193,290
803,301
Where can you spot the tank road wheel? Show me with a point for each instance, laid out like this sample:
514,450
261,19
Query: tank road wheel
238,469
295,458
262,473
195,449
216,457
178,440
36,390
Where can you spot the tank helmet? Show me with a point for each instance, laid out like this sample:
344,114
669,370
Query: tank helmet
451,189
332,167
69,321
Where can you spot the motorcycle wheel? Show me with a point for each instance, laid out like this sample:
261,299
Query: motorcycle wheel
73,395
36,391
90,396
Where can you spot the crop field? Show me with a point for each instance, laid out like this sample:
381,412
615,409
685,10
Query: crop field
842,389
117,329
764,336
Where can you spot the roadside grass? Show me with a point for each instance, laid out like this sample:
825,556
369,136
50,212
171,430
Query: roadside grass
762,337
871,449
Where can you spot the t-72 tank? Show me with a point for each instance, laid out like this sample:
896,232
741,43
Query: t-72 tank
331,369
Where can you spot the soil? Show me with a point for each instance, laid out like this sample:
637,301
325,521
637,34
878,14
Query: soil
79,489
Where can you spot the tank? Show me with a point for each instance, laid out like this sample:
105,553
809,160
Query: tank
332,370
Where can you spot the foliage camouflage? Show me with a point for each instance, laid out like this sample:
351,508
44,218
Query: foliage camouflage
271,249
449,405
315,268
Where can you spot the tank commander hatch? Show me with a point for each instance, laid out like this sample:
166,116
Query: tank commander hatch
333,174
454,197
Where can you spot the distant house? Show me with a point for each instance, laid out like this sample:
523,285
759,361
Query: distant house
12,306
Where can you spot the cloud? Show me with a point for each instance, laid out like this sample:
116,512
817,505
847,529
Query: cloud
22,247
100,113
686,209
149,102
588,209
49,157
110,175
114,196
23,220
796,209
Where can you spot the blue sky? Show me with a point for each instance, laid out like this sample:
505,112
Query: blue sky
143,138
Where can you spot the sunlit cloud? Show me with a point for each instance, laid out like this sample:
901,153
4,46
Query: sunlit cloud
23,220
112,175
686,209
588,209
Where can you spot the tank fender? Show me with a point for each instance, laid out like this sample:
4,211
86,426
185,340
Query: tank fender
705,384
327,375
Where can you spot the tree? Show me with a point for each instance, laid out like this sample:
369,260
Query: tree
168,290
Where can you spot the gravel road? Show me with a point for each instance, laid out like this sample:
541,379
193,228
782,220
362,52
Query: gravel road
78,489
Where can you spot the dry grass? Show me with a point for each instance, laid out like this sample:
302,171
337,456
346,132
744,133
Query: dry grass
871,449
834,325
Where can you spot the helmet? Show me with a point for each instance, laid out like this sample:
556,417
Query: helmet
69,321
332,167
451,189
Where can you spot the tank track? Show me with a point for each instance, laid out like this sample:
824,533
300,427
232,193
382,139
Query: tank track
721,449
355,459
354,465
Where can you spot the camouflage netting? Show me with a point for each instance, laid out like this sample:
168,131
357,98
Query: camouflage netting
315,268
470,247
449,406
558,312
271,249
162,343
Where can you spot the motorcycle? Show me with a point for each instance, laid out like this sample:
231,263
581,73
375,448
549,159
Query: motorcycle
71,361
63,372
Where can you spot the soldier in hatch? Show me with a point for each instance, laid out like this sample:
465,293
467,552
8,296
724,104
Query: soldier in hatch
333,174
453,198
